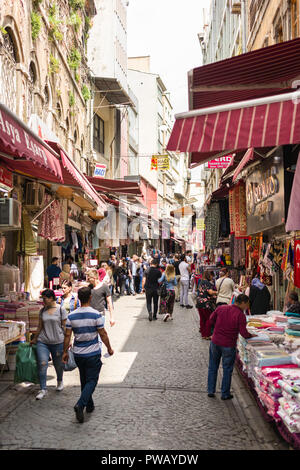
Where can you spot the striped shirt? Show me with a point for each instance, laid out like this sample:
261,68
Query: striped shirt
85,322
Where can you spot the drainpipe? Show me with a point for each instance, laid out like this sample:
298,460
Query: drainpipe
244,25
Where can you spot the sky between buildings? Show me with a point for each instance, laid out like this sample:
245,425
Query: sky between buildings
167,30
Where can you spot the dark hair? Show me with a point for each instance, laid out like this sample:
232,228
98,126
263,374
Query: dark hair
54,259
49,293
182,257
224,270
242,298
154,262
84,295
294,296
206,275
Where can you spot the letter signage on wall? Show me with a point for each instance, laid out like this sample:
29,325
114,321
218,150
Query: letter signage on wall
265,195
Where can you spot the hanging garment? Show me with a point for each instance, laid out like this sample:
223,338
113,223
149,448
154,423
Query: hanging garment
224,218
74,240
2,248
34,276
25,241
212,225
51,221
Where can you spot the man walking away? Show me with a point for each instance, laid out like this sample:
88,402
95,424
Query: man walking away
229,321
177,272
86,323
150,285
185,270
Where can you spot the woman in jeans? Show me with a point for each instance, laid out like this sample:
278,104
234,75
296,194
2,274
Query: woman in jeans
167,303
49,339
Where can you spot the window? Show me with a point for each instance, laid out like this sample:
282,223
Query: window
98,137
295,18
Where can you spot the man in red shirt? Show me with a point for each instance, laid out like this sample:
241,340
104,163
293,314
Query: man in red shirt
229,321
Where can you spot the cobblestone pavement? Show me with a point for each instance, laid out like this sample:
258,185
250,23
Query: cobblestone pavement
151,395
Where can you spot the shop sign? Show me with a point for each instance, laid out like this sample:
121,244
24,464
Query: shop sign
265,196
100,170
222,162
6,179
160,162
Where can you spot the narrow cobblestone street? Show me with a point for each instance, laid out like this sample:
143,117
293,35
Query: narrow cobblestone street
151,395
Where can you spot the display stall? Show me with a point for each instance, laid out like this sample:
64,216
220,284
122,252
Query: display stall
270,365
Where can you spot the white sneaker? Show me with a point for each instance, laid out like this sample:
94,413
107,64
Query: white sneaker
60,386
167,315
41,394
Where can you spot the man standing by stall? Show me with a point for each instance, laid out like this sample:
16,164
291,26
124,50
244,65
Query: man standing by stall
229,321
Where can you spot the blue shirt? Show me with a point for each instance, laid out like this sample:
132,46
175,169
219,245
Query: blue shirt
53,271
85,322
169,284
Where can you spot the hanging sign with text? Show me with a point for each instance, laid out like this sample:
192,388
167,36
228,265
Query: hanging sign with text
222,162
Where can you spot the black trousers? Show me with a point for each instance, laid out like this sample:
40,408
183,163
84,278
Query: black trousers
152,294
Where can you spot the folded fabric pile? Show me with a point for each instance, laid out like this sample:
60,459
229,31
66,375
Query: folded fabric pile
33,314
293,327
11,329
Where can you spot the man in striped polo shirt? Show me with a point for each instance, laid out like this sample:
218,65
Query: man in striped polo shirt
86,324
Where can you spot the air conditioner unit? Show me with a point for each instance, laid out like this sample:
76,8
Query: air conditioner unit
34,195
10,214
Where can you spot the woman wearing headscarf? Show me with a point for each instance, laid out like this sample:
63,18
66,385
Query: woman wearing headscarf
259,297
101,295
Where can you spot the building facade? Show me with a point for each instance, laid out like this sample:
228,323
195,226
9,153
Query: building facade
43,70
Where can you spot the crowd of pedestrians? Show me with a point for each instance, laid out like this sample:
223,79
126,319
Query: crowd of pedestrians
79,319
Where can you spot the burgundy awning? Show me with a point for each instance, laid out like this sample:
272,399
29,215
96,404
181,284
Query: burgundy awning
242,102
73,176
116,186
210,133
23,150
249,155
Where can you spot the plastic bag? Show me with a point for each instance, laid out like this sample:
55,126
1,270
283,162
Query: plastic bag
26,364
71,364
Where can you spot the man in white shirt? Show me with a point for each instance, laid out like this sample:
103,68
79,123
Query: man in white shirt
225,288
185,271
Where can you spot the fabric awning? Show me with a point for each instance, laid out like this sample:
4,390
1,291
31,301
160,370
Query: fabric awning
261,123
22,149
80,179
241,102
249,155
116,186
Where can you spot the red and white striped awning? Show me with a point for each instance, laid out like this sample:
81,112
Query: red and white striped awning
263,122
249,155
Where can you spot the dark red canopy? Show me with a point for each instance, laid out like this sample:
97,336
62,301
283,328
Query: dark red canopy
242,102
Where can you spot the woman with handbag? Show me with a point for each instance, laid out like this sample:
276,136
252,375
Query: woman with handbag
205,303
225,288
49,338
167,299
